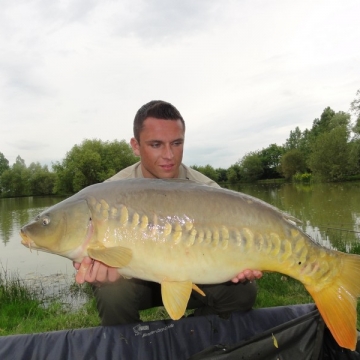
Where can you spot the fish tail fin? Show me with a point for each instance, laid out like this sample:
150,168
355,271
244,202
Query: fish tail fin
337,301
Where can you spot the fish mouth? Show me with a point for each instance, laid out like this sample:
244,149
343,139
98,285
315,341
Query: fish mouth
26,241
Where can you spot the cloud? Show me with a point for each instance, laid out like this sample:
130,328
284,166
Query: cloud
242,73
29,145
161,20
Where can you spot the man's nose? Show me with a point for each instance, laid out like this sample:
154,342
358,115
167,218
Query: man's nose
168,153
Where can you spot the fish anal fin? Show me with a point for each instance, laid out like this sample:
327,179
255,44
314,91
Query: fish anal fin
337,301
175,297
198,290
117,256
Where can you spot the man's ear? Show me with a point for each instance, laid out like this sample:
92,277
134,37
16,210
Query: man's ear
135,146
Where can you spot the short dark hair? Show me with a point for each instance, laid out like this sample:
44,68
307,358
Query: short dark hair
157,109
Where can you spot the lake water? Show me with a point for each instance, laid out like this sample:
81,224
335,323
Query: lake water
327,211
14,257
330,213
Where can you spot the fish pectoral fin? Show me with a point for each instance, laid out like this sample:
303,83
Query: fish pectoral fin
117,256
175,297
198,290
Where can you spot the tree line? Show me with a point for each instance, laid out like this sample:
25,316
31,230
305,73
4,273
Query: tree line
91,162
329,151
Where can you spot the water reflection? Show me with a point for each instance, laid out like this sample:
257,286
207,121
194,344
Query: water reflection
330,213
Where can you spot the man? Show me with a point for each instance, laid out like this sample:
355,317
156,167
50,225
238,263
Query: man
159,134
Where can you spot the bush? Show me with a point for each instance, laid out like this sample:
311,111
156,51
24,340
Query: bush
304,178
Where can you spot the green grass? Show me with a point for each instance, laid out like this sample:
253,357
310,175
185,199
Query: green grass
275,289
24,310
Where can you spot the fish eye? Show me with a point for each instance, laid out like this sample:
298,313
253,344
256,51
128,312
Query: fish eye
46,221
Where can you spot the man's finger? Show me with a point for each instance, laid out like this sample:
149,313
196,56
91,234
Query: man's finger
113,274
92,271
82,270
80,275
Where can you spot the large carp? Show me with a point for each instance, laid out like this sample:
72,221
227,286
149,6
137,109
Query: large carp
180,233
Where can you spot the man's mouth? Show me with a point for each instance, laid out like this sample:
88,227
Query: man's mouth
167,167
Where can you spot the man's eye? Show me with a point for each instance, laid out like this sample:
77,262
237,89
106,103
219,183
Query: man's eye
177,143
155,145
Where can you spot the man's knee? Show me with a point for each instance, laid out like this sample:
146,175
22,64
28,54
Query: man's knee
228,297
117,303
247,295
120,302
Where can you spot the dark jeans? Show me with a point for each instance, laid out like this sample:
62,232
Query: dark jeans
120,302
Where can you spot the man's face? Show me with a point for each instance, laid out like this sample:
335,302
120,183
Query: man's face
160,148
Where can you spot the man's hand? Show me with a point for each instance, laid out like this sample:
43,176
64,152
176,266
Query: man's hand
247,275
93,271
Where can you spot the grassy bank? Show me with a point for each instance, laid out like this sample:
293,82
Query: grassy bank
24,311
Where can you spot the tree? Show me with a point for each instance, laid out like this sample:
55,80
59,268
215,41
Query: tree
233,173
354,156
4,163
306,143
251,167
20,178
5,183
321,125
270,159
341,118
208,171
355,109
15,180
329,159
355,105
356,128
294,140
292,162
91,162
41,180
221,175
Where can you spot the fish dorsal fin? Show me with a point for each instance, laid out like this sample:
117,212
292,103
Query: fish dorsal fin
175,297
117,256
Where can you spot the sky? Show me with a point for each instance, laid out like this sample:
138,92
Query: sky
243,73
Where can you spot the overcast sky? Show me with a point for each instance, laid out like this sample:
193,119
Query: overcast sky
242,73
